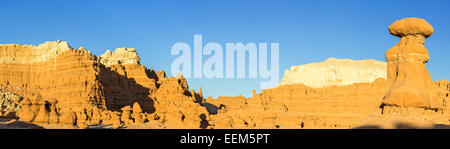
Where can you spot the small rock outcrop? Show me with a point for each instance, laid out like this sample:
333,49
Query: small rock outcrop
9,103
26,54
120,56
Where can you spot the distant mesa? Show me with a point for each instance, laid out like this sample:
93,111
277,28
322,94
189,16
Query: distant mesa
334,71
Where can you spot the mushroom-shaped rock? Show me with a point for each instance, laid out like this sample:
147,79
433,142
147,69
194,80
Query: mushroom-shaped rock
411,26
43,115
126,114
409,80
54,116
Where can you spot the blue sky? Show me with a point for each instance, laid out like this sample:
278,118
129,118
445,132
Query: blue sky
308,31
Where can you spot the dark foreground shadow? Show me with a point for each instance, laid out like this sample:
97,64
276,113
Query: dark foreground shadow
20,125
405,126
100,126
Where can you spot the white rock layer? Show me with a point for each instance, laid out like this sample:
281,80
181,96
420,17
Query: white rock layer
334,71
120,56
34,54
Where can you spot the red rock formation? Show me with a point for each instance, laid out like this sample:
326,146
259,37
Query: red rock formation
56,86
299,106
408,97
61,85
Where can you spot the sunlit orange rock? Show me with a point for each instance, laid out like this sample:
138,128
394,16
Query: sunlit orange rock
74,87
409,79
298,106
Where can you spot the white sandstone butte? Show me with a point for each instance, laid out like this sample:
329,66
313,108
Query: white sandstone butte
334,71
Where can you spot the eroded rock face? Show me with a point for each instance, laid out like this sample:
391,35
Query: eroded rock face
298,106
72,87
409,79
178,106
9,103
333,71
120,56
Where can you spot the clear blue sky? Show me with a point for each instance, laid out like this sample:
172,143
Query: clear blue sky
308,31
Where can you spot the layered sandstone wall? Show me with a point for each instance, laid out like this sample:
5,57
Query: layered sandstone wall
68,75
299,106
72,87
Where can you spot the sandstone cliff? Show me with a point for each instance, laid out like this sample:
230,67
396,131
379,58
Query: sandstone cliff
59,85
333,71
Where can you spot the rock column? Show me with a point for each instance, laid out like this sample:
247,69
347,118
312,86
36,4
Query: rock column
409,80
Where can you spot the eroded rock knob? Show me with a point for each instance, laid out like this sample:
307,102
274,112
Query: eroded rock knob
411,26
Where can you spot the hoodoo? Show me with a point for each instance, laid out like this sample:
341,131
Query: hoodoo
409,79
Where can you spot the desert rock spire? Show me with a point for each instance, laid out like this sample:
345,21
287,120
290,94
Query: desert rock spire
409,80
